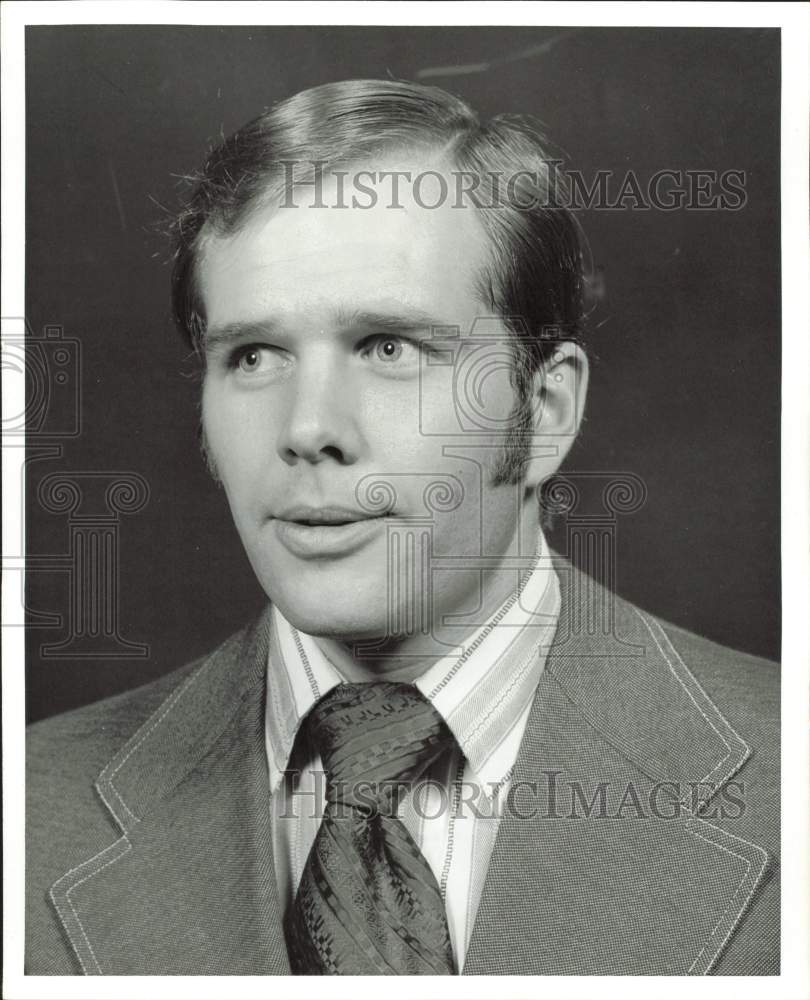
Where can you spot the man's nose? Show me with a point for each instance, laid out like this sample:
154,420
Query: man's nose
322,419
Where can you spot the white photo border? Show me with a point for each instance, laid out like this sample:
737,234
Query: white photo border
794,21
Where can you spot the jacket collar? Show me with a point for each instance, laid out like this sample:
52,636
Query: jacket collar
189,887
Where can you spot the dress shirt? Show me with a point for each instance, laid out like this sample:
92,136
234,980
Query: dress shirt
483,690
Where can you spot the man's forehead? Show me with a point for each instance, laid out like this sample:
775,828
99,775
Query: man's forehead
394,196
278,250
424,256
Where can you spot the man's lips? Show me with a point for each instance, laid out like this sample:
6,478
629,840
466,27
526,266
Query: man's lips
326,532
329,515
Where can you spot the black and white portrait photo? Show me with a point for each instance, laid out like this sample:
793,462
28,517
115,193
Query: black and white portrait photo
405,498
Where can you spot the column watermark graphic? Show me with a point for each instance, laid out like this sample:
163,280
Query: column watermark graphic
94,502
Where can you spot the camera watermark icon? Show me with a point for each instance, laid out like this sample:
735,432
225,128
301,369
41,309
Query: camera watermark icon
44,376
482,365
51,365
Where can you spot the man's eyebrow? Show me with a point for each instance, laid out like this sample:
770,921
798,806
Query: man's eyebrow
219,336
405,320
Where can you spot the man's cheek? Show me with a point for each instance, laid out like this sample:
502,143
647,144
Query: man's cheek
235,441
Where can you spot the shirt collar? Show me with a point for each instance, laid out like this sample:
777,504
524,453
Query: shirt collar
483,690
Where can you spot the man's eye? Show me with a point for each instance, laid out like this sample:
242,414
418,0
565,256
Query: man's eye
389,350
250,360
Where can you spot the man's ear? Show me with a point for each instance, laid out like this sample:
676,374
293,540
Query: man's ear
558,406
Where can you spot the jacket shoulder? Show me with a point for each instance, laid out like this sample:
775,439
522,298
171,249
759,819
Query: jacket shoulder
749,685
744,688
67,747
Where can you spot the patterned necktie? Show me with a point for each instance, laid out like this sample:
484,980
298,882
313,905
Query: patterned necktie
368,902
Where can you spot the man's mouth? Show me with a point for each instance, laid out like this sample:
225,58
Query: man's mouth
328,516
326,532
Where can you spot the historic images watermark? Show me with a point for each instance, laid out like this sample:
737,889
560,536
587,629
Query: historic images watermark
316,184
548,797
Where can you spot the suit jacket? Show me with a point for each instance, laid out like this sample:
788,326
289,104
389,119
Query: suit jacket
644,836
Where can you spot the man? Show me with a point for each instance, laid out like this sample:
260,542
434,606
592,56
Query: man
421,759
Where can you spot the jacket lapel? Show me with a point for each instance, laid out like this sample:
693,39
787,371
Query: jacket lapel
648,883
190,885
587,876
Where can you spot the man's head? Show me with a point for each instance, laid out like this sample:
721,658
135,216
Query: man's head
319,292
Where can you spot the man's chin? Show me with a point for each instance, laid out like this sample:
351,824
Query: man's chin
328,620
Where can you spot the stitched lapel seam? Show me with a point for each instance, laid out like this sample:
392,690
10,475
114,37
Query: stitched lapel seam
105,783
756,860
127,819
730,753
245,653
738,751
60,897
61,890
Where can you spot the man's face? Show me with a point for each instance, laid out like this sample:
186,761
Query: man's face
320,375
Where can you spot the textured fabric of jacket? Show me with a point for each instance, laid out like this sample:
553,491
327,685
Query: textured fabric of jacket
643,837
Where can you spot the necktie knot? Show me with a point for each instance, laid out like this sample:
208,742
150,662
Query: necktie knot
375,740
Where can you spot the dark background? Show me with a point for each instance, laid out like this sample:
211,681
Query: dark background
685,343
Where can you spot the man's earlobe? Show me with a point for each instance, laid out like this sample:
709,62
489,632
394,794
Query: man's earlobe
559,389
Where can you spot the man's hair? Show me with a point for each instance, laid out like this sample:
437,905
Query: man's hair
534,278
